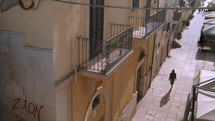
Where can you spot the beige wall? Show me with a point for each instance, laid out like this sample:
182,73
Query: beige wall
36,25
119,87
63,27
113,14
123,86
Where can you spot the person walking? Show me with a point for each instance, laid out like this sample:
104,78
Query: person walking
172,77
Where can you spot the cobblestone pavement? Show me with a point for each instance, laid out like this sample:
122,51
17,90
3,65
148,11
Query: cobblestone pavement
162,104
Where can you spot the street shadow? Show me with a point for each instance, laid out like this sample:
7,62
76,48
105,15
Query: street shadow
165,98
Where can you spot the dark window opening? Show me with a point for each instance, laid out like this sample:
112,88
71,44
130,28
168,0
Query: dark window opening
96,101
148,5
159,44
142,55
135,4
166,27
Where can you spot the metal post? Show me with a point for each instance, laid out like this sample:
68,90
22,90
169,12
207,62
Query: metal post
193,103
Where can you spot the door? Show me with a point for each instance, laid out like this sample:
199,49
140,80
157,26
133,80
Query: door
96,28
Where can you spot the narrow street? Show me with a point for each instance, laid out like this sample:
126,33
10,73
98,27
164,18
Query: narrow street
162,104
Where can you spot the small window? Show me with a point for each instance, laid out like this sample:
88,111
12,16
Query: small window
141,56
95,102
135,4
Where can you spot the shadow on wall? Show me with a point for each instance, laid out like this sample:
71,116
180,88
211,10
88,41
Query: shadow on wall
8,4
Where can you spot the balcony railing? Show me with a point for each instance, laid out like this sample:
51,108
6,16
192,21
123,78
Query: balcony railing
144,26
155,21
110,51
138,24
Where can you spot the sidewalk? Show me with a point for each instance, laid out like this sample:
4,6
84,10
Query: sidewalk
162,104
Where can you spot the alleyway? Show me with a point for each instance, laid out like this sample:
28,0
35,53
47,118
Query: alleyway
162,104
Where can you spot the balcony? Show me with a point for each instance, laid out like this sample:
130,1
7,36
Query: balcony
100,62
155,21
145,26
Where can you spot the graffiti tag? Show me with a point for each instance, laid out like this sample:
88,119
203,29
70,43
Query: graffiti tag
29,107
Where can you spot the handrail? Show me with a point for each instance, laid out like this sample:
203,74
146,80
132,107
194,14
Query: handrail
119,34
197,85
158,17
144,26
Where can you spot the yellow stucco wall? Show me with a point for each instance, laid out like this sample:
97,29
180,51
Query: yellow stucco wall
150,51
84,89
123,86
36,25
63,37
120,88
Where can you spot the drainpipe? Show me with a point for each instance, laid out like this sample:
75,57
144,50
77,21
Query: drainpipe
153,54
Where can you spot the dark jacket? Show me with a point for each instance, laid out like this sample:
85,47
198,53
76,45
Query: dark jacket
172,77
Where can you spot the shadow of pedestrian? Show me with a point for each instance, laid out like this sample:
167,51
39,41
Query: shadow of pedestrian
165,98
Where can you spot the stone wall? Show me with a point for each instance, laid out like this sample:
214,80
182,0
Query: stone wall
26,81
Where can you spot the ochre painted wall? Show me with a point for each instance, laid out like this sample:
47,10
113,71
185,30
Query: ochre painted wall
36,25
123,86
120,88
63,28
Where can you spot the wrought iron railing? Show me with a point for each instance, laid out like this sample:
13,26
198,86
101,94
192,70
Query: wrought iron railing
144,26
195,92
138,23
117,28
108,53
155,21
